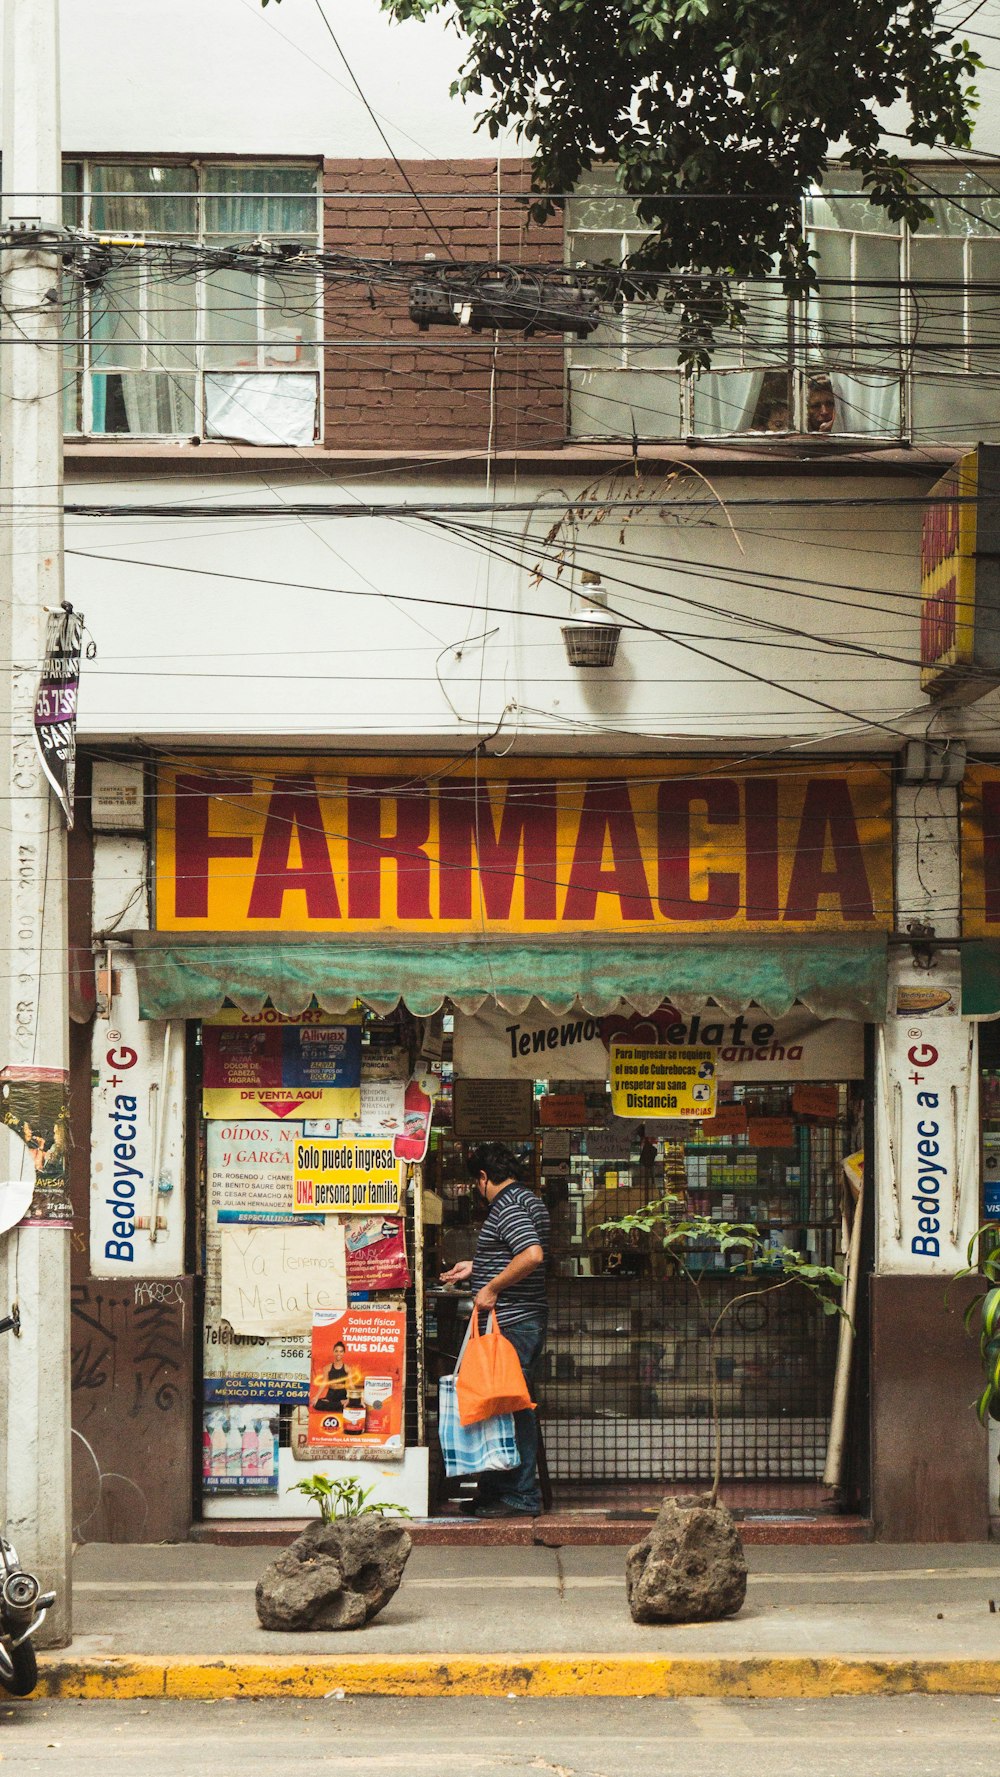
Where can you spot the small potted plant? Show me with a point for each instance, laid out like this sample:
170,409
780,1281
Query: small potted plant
343,1568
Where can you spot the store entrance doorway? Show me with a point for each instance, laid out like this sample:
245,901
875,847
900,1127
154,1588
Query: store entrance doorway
625,1399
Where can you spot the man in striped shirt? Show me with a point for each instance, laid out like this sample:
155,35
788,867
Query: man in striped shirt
507,1276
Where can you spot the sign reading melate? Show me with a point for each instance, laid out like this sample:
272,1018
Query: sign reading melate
532,846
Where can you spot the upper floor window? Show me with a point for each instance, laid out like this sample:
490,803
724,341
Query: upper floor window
157,351
897,341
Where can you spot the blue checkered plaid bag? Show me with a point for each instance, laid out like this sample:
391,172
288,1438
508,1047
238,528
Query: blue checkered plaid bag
473,1449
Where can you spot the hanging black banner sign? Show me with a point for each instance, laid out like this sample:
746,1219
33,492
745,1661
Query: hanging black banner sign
55,705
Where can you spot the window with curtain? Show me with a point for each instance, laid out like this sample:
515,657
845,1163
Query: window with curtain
153,352
898,340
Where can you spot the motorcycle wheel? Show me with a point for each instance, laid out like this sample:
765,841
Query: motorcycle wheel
19,1669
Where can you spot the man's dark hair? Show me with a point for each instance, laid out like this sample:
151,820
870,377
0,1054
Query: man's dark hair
496,1159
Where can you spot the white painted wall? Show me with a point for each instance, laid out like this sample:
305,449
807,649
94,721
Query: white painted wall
229,77
354,630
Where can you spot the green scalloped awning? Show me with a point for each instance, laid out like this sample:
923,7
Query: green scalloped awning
193,977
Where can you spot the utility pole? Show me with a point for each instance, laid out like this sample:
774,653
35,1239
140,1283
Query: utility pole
34,1030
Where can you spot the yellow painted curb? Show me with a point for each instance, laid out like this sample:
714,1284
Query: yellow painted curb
497,1675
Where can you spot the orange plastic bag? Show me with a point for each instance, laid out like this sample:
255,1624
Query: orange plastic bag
490,1379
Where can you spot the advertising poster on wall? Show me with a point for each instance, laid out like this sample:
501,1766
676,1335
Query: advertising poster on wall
991,1174
354,1176
239,1448
356,1386
137,1139
376,1253
249,1367
250,1170
256,1068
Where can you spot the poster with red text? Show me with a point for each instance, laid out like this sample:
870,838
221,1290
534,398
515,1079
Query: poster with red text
356,1380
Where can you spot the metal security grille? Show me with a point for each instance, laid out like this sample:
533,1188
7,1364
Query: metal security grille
627,1389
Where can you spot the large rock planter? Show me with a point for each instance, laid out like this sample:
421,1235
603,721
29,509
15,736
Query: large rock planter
334,1576
690,1568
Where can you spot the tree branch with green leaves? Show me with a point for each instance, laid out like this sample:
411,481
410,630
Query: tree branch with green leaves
983,1254
721,116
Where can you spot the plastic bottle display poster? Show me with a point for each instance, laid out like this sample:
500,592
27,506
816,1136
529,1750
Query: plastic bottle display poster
239,1448
356,1385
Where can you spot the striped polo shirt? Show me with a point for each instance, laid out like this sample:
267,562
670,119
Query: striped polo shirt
517,1219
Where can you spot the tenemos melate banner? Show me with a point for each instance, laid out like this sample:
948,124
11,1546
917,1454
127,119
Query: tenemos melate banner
537,1044
528,846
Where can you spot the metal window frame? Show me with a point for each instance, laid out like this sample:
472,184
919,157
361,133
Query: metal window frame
799,330
202,167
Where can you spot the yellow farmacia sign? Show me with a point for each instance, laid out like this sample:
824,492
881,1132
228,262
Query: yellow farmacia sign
532,847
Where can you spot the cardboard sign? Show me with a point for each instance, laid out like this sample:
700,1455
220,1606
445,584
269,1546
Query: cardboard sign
661,1082
816,1101
274,1280
356,1384
376,1254
256,1068
351,1176
562,1110
771,1132
729,1119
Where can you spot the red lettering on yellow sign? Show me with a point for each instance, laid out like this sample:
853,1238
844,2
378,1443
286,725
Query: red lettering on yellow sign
567,846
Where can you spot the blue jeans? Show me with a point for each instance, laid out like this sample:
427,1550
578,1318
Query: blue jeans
516,1489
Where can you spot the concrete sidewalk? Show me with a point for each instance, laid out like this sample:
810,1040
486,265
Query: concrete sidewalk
179,1619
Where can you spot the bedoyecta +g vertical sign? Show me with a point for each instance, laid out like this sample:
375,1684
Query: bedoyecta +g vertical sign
137,1142
928,1175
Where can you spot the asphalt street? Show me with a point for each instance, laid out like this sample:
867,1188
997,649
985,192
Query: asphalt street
913,1736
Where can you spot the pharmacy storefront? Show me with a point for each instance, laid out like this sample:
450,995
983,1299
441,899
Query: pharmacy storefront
649,977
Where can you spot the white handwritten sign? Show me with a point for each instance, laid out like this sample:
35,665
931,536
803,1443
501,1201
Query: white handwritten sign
275,1279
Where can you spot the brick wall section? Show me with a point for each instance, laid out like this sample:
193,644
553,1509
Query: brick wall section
431,391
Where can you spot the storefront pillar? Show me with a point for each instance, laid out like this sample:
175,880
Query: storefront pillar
133,1307
929,1455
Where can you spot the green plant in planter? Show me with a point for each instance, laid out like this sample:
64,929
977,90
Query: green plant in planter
983,1254
766,1269
344,1499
